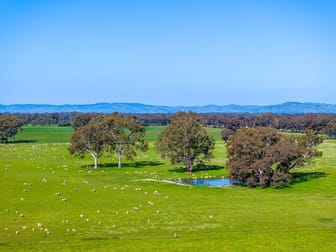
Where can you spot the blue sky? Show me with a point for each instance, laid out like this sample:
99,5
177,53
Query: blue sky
167,52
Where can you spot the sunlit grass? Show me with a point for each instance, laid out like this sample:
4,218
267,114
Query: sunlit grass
113,209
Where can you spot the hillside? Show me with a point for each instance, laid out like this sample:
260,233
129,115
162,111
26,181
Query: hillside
284,108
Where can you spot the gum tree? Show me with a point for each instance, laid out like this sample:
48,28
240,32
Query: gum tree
125,136
263,157
82,120
10,125
330,129
90,139
185,140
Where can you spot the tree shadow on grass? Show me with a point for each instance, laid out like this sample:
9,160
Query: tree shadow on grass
300,177
198,168
25,141
136,164
20,141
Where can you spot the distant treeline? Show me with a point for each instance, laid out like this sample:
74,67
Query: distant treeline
291,123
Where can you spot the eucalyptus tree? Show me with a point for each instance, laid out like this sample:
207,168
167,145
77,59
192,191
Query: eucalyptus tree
263,157
125,136
10,125
82,120
226,133
330,129
90,139
185,140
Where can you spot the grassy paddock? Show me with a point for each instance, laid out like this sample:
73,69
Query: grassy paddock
112,209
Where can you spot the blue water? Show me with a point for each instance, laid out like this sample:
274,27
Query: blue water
205,182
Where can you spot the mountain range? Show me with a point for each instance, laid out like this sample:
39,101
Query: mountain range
284,108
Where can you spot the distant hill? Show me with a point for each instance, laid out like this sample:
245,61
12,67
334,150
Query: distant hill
284,108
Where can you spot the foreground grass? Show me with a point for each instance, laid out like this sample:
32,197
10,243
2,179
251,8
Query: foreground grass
112,209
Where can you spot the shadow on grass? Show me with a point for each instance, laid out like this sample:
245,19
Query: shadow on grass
198,168
136,164
25,141
20,141
300,177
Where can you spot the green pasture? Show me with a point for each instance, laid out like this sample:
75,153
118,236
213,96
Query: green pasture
51,201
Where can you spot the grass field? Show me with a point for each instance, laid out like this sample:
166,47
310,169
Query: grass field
51,201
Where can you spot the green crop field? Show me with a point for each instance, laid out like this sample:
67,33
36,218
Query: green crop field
51,201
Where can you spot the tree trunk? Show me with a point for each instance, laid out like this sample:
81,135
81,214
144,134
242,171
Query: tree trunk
119,158
95,158
189,165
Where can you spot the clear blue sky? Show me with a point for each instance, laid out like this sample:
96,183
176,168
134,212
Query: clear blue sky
172,52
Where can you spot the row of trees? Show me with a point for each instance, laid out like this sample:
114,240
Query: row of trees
10,125
258,156
321,123
42,119
184,140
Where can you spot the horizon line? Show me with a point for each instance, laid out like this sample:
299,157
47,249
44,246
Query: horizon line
147,104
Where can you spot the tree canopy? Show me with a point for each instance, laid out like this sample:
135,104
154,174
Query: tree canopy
82,120
10,125
96,134
330,129
262,156
125,136
89,139
185,140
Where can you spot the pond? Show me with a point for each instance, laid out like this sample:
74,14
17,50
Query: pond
205,182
